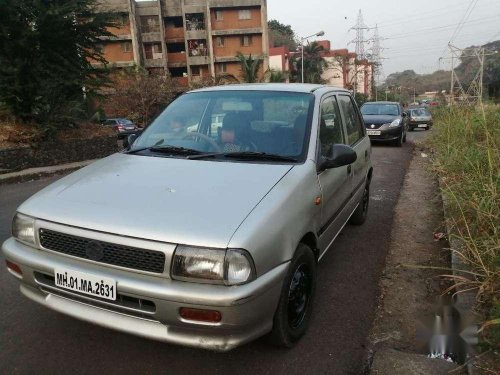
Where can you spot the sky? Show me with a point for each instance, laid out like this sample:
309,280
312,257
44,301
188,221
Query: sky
417,31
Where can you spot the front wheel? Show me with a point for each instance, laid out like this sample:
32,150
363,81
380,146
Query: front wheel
295,306
399,141
359,216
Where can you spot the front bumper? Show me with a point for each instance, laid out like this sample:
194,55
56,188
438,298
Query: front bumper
247,310
386,133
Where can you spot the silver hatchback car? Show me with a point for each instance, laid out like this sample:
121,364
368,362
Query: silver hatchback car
238,193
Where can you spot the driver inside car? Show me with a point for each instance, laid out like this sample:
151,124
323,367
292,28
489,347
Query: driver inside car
232,134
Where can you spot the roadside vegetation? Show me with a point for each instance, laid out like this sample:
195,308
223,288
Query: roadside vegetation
466,146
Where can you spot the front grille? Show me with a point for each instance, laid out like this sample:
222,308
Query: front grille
117,255
125,304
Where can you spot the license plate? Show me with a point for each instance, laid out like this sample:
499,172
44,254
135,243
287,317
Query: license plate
422,125
93,285
373,132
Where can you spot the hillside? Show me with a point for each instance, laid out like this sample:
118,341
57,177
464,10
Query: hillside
440,80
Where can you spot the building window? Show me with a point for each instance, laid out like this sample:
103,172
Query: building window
218,15
123,20
222,68
220,41
195,70
246,40
157,48
244,14
126,46
150,24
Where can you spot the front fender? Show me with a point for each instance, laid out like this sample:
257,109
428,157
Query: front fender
274,228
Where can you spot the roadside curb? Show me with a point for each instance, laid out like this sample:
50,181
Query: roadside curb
465,301
37,173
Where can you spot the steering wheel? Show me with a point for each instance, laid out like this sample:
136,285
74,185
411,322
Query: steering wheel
206,138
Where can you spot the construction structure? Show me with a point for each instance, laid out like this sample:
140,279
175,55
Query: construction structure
188,39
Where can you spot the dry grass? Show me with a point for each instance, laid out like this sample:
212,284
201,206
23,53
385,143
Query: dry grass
466,147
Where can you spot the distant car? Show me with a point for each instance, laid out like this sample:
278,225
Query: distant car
419,118
122,126
385,121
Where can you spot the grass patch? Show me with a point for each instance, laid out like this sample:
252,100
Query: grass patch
466,150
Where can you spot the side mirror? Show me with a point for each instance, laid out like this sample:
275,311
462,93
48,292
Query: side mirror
128,141
340,155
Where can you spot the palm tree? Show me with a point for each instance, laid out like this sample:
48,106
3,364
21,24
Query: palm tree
276,75
314,64
249,67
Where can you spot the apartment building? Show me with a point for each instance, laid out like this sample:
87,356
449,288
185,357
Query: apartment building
343,68
189,39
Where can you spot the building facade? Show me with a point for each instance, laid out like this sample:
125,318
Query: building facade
189,39
343,69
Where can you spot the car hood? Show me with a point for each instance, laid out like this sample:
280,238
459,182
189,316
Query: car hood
378,119
194,202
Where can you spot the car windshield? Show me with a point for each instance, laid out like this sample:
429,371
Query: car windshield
126,122
218,122
380,109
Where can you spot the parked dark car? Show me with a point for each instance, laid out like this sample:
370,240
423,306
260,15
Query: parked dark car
419,118
123,127
385,121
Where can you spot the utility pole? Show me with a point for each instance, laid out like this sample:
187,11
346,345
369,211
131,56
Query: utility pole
473,94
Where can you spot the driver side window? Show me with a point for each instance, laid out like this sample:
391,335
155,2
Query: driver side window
330,126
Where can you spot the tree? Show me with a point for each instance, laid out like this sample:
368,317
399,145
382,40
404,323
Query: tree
140,95
276,76
314,64
249,67
46,50
281,35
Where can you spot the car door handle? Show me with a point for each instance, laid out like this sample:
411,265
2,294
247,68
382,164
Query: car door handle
349,169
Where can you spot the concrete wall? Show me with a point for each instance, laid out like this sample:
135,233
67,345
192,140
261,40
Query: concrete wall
231,20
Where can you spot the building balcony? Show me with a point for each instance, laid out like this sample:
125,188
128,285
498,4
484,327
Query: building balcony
199,60
153,63
252,30
196,34
174,33
176,57
151,37
116,37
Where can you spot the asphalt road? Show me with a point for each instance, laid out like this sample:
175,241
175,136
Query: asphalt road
35,339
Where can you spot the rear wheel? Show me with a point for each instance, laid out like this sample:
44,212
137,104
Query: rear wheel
404,137
359,216
295,306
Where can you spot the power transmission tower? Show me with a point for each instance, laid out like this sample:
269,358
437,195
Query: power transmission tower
473,93
376,57
359,42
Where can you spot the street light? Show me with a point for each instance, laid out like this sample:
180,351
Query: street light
321,33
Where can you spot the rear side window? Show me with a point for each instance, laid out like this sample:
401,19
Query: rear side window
354,125
109,122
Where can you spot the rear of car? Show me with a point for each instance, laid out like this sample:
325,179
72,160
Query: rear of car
122,126
419,118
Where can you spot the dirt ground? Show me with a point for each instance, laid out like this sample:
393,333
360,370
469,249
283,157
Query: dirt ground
410,293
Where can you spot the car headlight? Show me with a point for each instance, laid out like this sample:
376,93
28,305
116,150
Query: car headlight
214,266
23,228
395,123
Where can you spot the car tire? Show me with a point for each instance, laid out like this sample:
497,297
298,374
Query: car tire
399,141
404,138
359,216
293,314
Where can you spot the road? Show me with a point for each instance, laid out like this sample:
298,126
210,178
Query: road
35,339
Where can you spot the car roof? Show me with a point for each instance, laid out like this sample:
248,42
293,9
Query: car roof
382,103
288,87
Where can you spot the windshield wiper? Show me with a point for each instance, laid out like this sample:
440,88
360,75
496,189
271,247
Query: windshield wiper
250,155
168,150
